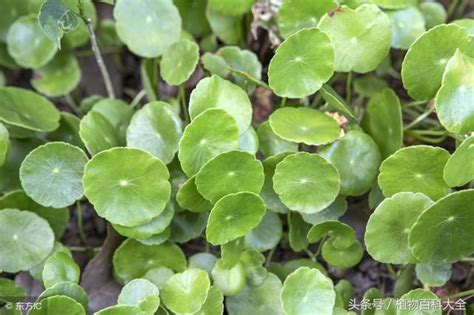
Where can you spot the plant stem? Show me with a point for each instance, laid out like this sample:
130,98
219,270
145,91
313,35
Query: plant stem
184,107
72,104
96,51
136,100
311,255
269,257
452,6
82,235
391,270
419,119
349,88
283,102
459,295
468,259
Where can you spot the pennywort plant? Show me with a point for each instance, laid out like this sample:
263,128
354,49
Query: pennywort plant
270,146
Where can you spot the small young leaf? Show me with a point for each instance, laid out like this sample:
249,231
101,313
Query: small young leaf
407,25
179,61
419,295
55,19
69,289
188,197
204,261
433,275
230,280
57,304
267,234
186,292
97,133
434,13
270,143
141,293
59,268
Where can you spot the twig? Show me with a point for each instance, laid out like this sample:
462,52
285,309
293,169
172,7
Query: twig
136,100
283,102
349,88
459,295
452,6
419,119
72,104
96,51
269,257
82,235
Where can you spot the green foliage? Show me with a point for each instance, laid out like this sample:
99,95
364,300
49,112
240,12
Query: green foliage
242,148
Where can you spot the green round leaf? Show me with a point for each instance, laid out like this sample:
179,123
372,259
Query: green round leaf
157,239
156,225
398,212
141,293
304,125
306,182
215,92
194,16
453,100
51,174
443,232
267,234
188,197
68,130
57,218
214,304
459,170
69,289
117,112
59,268
307,291
294,15
156,128
12,9
25,230
333,212
25,109
434,13
383,121
369,85
467,24
361,37
10,291
179,61
416,169
209,134
227,28
420,296
58,77
127,186
268,194
342,258
340,234
306,59
80,35
432,51
270,143
187,226
56,305
147,27
4,143
248,141
234,216
97,133
37,271
158,276
145,258
204,261
244,66
186,292
357,158
433,275
230,280
27,43
262,299
407,24
230,172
